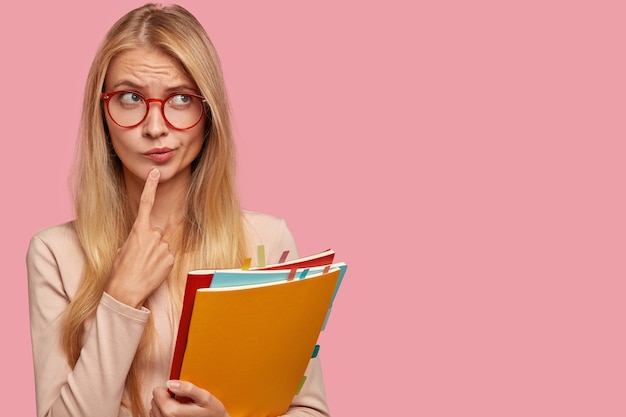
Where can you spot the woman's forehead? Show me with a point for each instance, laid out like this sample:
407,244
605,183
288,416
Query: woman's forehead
147,68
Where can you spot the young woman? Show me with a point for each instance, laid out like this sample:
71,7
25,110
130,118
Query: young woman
155,197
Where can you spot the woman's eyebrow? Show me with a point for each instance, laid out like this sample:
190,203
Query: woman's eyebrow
127,84
182,88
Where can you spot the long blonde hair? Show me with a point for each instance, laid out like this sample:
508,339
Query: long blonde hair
213,233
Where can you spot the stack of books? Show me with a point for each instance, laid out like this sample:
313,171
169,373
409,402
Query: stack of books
246,335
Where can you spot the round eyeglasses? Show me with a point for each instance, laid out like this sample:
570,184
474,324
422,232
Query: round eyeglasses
128,109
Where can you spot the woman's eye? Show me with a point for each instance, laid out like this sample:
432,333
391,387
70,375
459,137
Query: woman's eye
130,98
180,99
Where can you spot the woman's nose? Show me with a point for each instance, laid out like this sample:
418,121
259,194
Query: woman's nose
154,125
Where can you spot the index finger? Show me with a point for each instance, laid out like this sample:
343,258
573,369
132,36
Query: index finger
147,196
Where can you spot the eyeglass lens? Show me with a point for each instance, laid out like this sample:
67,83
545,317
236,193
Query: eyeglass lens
181,111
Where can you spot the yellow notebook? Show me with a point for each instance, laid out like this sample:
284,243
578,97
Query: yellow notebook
250,345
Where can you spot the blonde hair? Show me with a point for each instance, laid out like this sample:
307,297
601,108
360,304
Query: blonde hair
213,233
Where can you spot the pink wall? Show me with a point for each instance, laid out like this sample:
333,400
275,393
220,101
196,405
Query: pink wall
466,158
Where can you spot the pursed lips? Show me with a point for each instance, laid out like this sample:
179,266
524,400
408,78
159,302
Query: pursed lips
160,154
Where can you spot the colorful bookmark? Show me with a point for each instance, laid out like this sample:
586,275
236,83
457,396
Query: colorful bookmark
301,384
260,250
246,264
283,257
292,274
304,273
315,351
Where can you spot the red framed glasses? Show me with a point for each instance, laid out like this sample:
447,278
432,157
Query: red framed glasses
129,109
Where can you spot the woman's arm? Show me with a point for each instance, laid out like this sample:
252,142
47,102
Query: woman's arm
96,383
311,400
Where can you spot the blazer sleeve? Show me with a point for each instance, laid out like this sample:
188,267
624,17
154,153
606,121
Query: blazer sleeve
111,338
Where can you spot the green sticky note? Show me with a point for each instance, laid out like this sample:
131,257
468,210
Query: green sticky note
301,384
261,255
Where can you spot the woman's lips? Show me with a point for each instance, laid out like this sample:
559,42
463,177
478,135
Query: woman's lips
160,154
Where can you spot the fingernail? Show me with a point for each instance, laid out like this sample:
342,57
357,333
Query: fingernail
173,384
154,173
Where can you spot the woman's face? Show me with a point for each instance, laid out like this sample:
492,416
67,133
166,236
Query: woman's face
153,143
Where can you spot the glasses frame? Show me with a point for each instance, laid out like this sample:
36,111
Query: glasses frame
106,97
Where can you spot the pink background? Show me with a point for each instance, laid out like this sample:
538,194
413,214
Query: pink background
466,158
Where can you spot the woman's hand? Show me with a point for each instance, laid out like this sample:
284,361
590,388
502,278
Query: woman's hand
198,402
144,261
